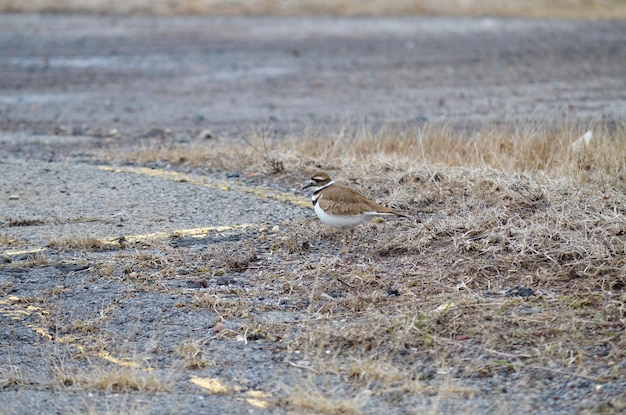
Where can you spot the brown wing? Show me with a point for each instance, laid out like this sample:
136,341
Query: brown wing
344,200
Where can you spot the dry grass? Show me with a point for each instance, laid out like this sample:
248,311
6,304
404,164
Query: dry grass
115,379
7,241
307,396
529,8
34,261
85,365
12,375
555,151
513,261
109,378
29,260
77,243
191,352
22,222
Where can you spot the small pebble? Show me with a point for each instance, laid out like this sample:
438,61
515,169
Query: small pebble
219,327
196,283
14,197
275,229
206,134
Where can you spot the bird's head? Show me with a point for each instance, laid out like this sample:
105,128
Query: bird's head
318,180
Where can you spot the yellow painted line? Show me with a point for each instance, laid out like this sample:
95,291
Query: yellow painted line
15,308
177,233
73,341
213,385
188,233
216,387
12,252
260,192
119,362
256,398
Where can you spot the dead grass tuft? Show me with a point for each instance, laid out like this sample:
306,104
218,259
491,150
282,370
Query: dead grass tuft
233,260
86,244
7,241
35,260
147,266
22,222
12,375
113,379
272,161
231,304
307,395
71,372
191,352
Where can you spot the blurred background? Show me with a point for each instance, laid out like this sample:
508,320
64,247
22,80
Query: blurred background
585,9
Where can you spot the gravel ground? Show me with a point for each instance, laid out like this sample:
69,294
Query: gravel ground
74,85
77,74
66,200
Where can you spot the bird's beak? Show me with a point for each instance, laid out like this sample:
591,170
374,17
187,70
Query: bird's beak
308,184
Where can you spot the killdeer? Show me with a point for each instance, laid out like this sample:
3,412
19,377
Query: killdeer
343,207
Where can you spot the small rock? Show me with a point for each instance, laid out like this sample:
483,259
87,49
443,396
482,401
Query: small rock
393,292
206,134
263,229
336,293
14,197
254,336
62,130
427,372
196,283
275,229
518,291
219,327
226,280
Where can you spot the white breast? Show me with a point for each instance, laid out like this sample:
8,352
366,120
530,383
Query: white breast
343,221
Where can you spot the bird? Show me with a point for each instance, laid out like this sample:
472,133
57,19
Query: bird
343,207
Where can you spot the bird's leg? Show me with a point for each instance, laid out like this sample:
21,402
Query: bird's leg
351,238
343,241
